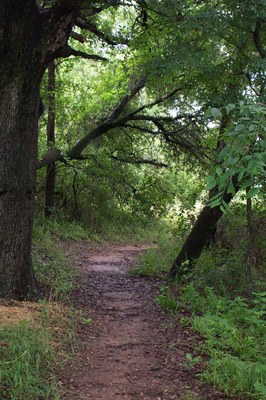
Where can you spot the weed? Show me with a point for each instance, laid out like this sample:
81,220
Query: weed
54,269
191,361
190,396
171,346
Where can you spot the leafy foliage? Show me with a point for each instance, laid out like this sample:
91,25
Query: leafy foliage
241,161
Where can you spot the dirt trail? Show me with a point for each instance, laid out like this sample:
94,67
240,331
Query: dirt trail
132,349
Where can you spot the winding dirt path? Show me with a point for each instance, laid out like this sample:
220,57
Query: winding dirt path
132,349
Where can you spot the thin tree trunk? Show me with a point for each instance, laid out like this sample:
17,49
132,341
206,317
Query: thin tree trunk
250,259
51,169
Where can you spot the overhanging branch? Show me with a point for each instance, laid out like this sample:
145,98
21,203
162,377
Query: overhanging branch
68,51
90,26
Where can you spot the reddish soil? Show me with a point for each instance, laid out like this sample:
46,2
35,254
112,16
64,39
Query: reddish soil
132,349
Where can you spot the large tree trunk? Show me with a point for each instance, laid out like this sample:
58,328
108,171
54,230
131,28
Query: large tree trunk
17,186
19,110
50,169
199,236
29,40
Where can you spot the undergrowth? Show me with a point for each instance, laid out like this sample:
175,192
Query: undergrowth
53,263
157,260
234,336
224,310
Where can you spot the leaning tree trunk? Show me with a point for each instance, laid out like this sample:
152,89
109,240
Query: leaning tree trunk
19,102
203,232
200,235
51,169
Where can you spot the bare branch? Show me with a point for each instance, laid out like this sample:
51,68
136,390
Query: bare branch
78,37
126,99
158,101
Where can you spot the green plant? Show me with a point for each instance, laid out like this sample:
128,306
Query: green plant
26,360
166,299
234,339
191,361
53,266
157,261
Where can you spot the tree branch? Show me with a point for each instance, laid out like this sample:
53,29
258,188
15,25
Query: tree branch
90,26
257,38
126,99
68,51
144,161
109,123
158,101
77,36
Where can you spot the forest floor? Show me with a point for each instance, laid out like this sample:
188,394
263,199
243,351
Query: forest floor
127,346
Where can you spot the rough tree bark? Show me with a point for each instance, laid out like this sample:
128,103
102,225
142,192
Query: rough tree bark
199,236
19,111
51,168
29,40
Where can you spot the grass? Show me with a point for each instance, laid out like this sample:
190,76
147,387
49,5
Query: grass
61,229
157,261
53,263
234,328
30,345
234,339
166,299
34,336
26,360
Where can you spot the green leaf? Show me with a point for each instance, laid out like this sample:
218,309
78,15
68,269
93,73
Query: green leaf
231,188
240,128
225,150
252,192
226,207
211,182
215,112
219,171
230,107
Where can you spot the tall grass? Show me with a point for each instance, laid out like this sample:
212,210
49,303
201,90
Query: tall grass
26,363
